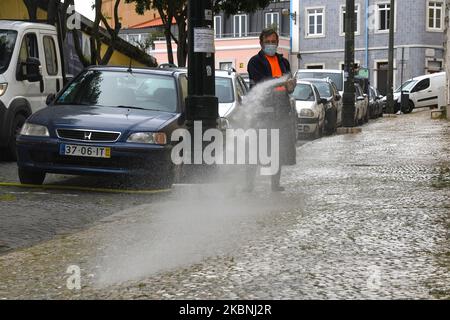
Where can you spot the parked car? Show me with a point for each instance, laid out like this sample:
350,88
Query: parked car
333,108
337,76
108,120
361,104
310,109
424,91
30,70
375,104
230,90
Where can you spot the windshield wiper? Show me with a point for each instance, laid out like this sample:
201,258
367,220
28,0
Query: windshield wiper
129,107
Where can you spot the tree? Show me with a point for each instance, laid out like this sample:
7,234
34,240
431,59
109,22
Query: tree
170,10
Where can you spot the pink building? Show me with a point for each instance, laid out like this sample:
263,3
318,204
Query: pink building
230,52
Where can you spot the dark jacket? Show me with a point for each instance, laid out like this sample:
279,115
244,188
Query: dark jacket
259,68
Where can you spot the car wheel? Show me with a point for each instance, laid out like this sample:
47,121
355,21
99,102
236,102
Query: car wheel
31,176
410,107
18,123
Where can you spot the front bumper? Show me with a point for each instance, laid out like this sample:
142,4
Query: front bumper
307,125
36,153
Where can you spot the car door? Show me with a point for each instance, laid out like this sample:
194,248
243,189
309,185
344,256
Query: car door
423,94
51,64
30,91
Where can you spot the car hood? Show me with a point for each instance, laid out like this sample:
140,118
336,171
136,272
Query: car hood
304,104
2,78
101,118
225,109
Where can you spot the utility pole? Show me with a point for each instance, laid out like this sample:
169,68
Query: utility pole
201,103
349,85
390,92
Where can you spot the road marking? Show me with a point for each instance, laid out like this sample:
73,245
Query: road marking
75,188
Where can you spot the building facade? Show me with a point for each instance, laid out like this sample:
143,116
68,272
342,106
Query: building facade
419,37
236,36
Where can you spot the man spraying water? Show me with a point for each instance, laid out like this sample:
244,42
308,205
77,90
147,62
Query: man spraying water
276,110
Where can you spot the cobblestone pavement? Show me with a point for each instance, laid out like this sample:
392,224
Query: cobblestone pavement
364,216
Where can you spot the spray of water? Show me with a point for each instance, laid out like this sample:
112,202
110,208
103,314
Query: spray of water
256,101
193,223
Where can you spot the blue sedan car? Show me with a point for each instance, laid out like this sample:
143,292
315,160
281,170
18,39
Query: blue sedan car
108,120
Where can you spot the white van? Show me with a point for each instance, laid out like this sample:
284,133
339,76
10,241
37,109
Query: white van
423,91
30,70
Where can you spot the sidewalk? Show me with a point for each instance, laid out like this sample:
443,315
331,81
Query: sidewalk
364,216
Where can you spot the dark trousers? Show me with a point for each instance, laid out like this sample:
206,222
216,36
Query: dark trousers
251,176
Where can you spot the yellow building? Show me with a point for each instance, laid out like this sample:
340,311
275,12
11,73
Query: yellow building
126,54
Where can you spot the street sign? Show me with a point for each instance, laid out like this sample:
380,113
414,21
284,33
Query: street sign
363,73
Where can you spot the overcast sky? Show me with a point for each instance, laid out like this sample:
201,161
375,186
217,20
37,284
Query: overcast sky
85,8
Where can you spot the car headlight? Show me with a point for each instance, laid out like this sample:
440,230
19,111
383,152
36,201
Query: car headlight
3,87
148,137
306,113
30,129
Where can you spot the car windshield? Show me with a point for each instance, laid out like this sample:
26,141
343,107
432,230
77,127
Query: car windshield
407,85
122,89
303,92
324,89
334,76
224,90
7,42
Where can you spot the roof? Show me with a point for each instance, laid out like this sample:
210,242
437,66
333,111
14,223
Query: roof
151,23
22,25
433,75
327,80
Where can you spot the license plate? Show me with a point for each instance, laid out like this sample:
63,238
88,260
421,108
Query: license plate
85,151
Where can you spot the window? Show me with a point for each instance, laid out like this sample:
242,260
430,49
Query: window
422,85
240,25
218,26
303,92
384,16
314,66
29,47
224,90
315,22
356,19
434,66
272,20
435,15
51,60
225,65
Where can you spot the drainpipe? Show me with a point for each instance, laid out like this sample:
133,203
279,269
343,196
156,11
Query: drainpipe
367,35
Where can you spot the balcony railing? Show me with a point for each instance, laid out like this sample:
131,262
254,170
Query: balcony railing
236,36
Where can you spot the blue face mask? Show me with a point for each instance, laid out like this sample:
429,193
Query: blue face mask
270,49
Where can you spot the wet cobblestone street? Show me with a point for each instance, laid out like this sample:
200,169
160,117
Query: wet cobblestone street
363,216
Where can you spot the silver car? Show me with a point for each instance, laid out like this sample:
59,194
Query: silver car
310,109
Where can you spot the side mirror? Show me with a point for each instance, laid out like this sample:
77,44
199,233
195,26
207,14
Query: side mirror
360,98
33,70
338,97
50,98
323,101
